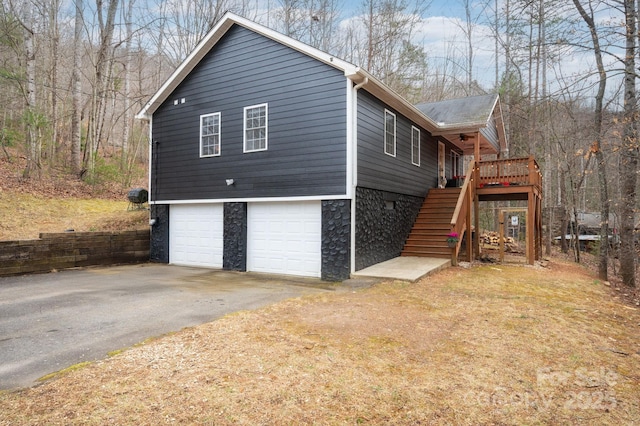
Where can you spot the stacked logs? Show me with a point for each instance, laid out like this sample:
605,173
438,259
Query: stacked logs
491,240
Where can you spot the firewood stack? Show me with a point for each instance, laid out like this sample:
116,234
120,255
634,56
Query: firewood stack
491,240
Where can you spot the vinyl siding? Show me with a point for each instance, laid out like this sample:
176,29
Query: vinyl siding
491,134
306,100
379,171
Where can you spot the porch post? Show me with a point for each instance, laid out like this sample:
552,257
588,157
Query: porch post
470,236
539,228
476,200
532,206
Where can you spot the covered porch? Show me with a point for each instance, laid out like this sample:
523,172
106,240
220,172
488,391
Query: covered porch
475,126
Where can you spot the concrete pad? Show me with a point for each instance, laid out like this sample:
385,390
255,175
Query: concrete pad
406,268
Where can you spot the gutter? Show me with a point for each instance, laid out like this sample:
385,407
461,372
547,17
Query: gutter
361,84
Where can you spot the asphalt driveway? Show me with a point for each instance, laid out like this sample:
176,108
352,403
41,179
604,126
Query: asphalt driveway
49,322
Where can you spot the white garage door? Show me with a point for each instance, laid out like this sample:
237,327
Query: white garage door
284,238
196,235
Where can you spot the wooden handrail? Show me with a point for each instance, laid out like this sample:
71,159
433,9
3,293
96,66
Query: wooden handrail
510,171
462,207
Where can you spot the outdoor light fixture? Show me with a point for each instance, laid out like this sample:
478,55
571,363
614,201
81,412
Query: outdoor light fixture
153,222
229,182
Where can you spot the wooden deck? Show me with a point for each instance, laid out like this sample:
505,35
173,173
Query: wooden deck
510,179
513,179
495,180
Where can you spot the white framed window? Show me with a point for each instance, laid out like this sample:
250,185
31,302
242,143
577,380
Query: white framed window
389,133
210,135
255,128
456,170
415,146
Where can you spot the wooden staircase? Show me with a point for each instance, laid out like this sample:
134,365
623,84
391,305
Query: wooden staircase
428,237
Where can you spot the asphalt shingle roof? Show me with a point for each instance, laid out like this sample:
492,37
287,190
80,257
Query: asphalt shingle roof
471,110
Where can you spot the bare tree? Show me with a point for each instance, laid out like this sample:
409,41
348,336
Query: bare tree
323,23
380,39
32,117
76,87
629,154
185,23
52,9
126,125
22,16
102,71
596,147
468,26
290,14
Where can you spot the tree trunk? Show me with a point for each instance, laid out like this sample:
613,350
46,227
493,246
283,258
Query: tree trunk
629,153
76,88
603,264
565,214
102,73
54,35
31,114
468,30
127,91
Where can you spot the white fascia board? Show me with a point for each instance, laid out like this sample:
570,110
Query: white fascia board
502,132
210,40
459,128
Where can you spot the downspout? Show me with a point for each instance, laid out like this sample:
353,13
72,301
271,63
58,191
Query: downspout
361,84
149,120
354,180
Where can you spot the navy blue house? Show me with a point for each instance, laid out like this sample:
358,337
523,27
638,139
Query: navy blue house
269,155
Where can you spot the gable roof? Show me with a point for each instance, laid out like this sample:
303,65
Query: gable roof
460,113
455,117
428,115
351,71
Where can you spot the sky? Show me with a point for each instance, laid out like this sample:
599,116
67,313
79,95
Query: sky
444,41
442,37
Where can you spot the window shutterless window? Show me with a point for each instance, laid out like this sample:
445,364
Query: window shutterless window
389,133
255,128
415,145
455,164
210,135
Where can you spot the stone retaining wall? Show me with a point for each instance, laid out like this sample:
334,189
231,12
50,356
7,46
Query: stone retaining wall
73,249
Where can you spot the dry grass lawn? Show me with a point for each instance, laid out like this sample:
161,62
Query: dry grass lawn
25,216
485,345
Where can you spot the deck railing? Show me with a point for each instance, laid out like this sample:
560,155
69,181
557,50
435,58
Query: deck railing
460,221
511,171
508,172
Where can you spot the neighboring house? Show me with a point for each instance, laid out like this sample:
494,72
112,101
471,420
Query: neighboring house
269,155
588,229
589,223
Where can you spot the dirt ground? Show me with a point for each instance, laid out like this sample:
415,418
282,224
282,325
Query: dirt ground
487,344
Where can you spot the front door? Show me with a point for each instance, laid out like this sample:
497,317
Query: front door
442,179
